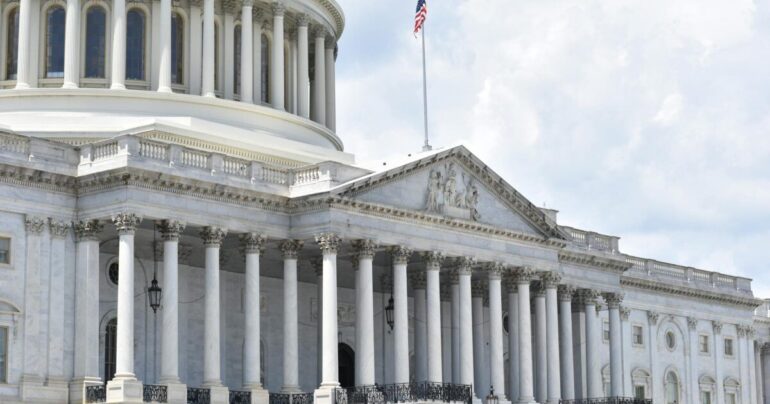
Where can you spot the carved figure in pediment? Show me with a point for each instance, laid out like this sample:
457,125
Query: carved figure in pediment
434,190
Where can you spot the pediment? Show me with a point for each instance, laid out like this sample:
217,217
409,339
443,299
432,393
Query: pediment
454,184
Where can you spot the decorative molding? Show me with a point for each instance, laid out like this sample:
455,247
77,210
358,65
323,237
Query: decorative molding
170,229
34,225
328,242
290,248
213,236
126,222
252,243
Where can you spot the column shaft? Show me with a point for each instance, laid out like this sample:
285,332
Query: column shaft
541,354
319,83
434,323
303,72
119,46
331,113
23,48
277,96
400,316
72,45
497,367
365,314
247,47
209,55
552,343
565,344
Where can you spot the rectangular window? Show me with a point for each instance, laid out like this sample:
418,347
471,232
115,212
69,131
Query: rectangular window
703,343
606,331
5,250
3,354
705,397
639,392
638,335
728,347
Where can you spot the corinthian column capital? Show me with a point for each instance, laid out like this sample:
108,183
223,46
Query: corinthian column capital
126,223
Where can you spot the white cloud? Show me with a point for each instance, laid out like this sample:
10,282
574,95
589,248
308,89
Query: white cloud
647,119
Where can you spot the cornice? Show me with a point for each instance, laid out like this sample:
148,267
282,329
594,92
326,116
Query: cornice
684,291
586,259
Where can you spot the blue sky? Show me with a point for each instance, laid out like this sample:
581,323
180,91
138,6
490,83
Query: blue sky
645,119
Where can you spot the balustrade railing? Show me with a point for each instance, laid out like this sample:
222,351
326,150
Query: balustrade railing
198,396
404,392
154,393
96,393
608,400
240,397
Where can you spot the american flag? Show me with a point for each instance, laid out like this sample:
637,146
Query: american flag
422,13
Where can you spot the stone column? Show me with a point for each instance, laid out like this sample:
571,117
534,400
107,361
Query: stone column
247,47
164,65
551,282
480,364
541,354
420,327
401,257
319,83
565,343
23,53
212,379
209,55
290,251
616,350
464,272
169,345
329,244
303,70
331,113
497,367
119,45
593,339
523,276
765,371
124,387
34,336
455,291
86,366
253,245
71,45
513,338
277,95
432,269
59,231
362,261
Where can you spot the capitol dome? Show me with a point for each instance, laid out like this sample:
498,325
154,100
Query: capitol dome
204,74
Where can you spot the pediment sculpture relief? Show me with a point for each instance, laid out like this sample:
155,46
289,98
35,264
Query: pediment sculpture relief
448,197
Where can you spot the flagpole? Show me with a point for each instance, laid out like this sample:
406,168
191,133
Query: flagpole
426,146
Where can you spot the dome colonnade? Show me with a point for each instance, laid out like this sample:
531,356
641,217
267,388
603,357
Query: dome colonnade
212,48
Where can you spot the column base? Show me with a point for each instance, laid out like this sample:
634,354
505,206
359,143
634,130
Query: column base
125,391
325,394
176,392
219,394
259,396
77,388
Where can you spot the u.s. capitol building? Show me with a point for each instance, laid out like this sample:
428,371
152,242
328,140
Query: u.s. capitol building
179,222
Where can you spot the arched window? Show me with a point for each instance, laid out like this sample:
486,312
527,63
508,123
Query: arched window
237,61
12,44
264,67
135,23
672,388
96,33
54,42
110,351
177,49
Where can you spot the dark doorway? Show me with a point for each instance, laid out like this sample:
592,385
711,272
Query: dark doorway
110,337
347,362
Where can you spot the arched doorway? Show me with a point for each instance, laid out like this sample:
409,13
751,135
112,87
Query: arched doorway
110,352
346,359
